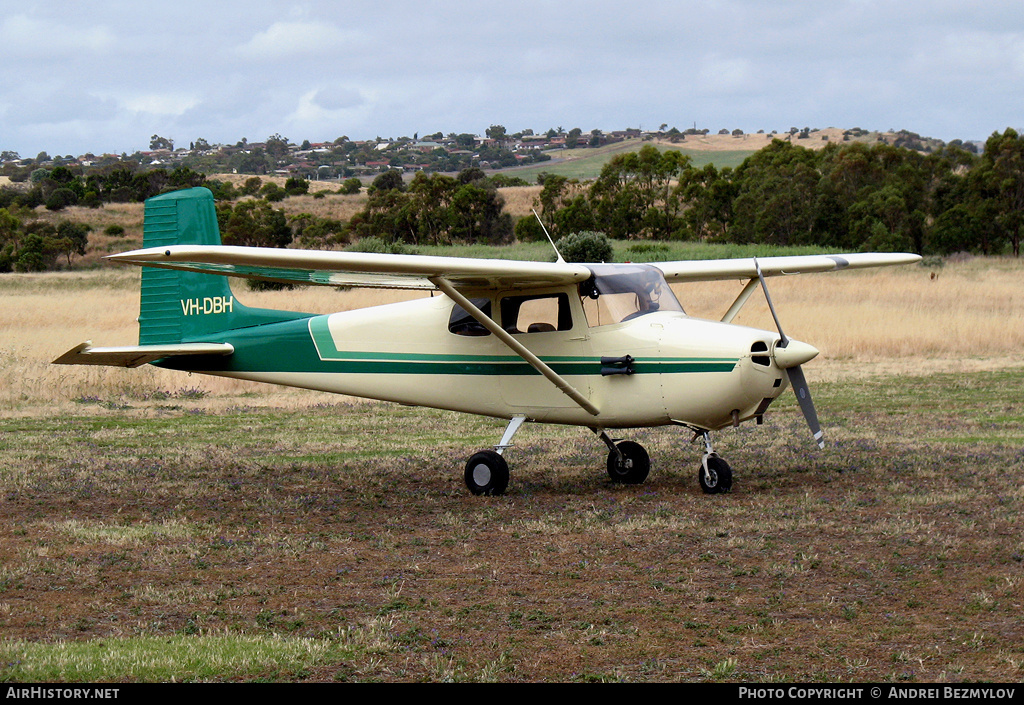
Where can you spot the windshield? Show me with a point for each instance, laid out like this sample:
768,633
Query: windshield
622,292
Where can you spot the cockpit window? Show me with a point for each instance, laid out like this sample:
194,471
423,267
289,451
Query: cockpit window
461,323
618,293
536,313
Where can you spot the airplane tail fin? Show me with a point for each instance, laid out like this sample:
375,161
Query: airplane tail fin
177,306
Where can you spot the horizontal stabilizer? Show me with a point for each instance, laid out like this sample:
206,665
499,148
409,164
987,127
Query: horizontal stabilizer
137,355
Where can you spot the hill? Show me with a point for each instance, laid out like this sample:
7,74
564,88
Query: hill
722,150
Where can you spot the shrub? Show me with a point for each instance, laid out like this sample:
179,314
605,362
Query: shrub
273,193
351,186
296,186
380,246
60,199
586,246
528,229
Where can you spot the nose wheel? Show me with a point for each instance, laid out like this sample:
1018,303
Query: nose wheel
714,474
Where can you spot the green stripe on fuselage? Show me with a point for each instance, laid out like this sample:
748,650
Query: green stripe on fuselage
307,346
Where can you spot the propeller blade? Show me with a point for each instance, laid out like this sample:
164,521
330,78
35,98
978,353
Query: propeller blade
771,307
795,373
803,396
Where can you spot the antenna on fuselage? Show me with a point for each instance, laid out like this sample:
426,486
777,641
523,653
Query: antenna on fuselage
560,259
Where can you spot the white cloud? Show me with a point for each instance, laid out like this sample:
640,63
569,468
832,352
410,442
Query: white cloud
24,36
725,73
159,104
284,39
95,76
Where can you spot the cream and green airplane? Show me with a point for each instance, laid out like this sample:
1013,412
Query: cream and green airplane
604,346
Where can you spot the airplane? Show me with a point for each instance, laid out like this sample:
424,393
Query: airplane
603,346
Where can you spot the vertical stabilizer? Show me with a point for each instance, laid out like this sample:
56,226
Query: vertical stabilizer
181,306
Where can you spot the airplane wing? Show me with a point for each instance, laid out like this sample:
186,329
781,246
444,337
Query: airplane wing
361,269
717,269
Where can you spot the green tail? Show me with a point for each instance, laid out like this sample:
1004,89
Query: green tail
179,307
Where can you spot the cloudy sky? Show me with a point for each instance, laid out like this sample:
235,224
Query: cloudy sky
104,76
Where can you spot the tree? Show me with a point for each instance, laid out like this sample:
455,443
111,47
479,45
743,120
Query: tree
157,142
277,146
390,180
72,238
430,200
253,161
704,198
1001,176
476,216
33,255
631,197
314,232
255,224
775,201
10,230
496,132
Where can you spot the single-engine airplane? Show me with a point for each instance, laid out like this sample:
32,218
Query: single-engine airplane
605,346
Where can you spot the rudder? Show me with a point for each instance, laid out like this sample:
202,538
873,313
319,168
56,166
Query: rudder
179,306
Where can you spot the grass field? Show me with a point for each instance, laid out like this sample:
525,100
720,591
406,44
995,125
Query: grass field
159,526
586,164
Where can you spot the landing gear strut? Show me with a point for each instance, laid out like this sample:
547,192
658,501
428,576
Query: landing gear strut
487,471
714,474
628,462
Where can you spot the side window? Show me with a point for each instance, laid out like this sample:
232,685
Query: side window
461,323
536,314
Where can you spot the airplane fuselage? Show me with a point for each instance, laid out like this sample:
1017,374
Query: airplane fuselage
683,370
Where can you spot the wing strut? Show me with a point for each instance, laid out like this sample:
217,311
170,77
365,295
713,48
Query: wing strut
740,300
513,344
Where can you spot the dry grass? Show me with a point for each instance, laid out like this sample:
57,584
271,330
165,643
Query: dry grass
970,309
521,200
895,556
47,314
898,320
133,521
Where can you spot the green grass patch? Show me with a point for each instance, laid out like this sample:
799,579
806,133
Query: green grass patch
337,542
585,164
191,658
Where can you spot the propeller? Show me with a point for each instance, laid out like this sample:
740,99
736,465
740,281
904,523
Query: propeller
790,355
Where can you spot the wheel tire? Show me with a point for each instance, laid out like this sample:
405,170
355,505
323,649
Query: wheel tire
636,466
487,473
721,476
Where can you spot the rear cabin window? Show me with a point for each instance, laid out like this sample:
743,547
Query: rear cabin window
540,313
462,323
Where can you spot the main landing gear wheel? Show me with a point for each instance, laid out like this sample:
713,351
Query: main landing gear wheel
714,475
487,473
632,466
